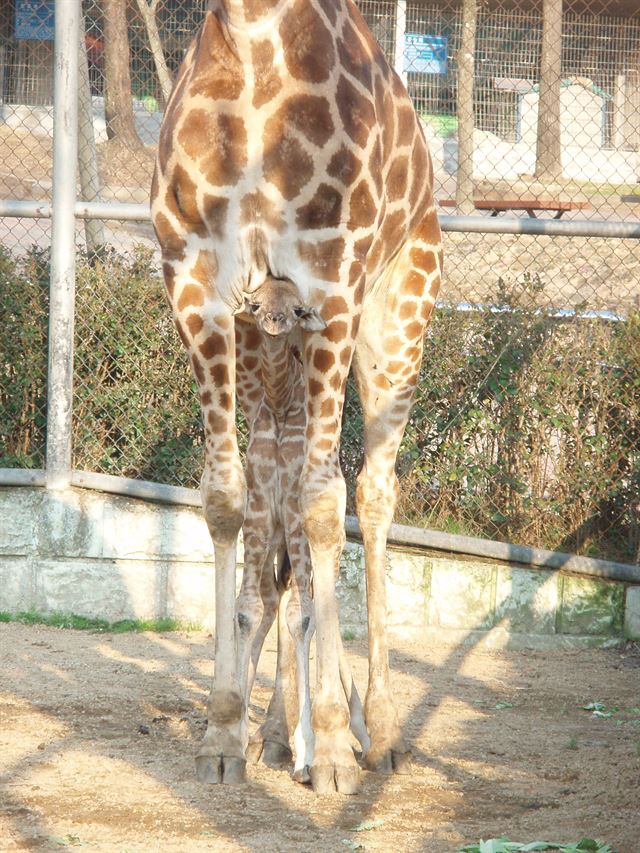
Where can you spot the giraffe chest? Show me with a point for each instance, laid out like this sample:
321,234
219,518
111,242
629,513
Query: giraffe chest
254,232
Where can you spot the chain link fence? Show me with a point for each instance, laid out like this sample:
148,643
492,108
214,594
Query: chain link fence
526,426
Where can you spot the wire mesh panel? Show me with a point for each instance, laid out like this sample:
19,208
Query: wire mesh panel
525,423
26,55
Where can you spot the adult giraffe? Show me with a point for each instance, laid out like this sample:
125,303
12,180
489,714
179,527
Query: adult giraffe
291,151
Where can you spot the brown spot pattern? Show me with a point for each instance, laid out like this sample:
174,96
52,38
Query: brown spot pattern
287,165
353,56
215,213
406,124
424,260
220,374
218,142
324,258
336,331
333,306
267,80
397,178
362,207
323,211
192,296
308,45
172,244
213,346
205,267
323,360
194,324
356,111
344,166
218,73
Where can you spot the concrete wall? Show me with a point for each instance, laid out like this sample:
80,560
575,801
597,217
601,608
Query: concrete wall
114,558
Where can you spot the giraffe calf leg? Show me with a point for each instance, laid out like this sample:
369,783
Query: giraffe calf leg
271,743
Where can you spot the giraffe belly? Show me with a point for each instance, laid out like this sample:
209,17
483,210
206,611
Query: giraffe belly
244,263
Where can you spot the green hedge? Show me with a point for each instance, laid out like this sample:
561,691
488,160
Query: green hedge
24,309
525,426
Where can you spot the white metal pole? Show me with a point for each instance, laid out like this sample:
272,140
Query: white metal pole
401,29
63,250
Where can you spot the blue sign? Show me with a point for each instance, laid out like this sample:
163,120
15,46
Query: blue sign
426,54
34,19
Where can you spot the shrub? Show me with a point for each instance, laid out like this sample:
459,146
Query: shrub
525,425
24,306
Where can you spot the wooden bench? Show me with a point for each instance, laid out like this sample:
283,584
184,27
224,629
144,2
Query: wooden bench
531,205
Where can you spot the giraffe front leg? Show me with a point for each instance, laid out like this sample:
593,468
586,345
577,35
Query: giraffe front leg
220,757
206,327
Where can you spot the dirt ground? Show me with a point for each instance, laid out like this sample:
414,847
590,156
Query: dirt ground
98,733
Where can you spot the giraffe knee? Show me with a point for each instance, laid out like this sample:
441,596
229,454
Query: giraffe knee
376,499
323,519
224,511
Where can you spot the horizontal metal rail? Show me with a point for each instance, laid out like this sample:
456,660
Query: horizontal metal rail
83,210
399,534
22,477
450,224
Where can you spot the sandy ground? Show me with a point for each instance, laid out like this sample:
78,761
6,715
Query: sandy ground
502,746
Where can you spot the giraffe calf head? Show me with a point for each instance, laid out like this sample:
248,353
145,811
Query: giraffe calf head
277,308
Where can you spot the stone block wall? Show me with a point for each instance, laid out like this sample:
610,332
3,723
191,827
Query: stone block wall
114,558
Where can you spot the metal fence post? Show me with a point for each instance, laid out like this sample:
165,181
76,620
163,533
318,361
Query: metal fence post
63,249
399,43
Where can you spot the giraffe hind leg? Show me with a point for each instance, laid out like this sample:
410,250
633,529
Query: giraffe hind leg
386,367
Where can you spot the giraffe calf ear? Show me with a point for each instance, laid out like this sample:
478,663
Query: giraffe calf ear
249,307
310,319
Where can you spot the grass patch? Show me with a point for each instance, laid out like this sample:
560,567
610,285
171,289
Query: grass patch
443,125
84,623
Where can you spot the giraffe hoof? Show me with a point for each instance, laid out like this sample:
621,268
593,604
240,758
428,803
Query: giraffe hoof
327,779
209,769
220,769
302,775
388,761
234,770
276,755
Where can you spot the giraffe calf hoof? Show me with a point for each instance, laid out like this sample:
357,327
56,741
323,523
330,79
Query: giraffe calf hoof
220,769
255,750
328,779
401,762
276,755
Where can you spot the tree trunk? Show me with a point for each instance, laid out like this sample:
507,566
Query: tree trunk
466,62
118,106
148,12
87,157
548,145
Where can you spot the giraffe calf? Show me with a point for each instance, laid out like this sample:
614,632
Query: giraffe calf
273,536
